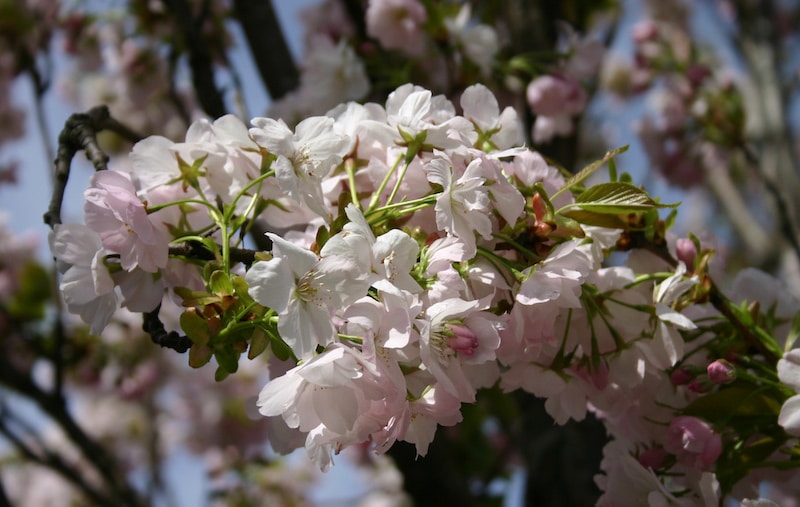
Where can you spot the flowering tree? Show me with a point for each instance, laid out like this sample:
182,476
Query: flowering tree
412,254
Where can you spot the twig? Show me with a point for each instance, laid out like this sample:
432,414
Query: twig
152,325
195,250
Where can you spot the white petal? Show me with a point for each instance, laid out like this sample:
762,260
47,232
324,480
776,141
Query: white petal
273,135
667,314
279,394
333,368
789,369
300,260
480,106
271,283
789,418
337,408
75,244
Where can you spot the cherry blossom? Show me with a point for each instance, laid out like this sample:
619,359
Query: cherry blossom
86,285
305,291
117,215
304,156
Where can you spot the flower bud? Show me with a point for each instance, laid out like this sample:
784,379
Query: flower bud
681,377
653,458
721,372
686,251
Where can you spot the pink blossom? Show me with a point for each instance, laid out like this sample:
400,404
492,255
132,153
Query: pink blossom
556,95
457,333
305,291
397,24
693,442
117,215
326,397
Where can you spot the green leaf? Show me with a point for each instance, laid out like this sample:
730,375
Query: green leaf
241,289
566,227
195,327
258,343
195,298
615,199
588,170
221,374
594,218
199,355
228,358
279,348
220,283
737,400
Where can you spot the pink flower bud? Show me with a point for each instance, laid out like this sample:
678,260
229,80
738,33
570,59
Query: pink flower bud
721,372
693,442
681,377
686,251
653,458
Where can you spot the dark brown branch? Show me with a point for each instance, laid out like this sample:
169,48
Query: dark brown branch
195,250
53,406
53,461
190,29
355,10
152,325
268,46
172,92
80,133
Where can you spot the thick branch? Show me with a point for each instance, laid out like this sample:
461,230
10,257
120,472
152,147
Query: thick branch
268,46
190,29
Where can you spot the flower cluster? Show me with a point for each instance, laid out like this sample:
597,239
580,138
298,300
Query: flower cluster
415,256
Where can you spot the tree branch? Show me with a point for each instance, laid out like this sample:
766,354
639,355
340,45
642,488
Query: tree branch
152,325
80,133
268,46
53,461
190,30
121,492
